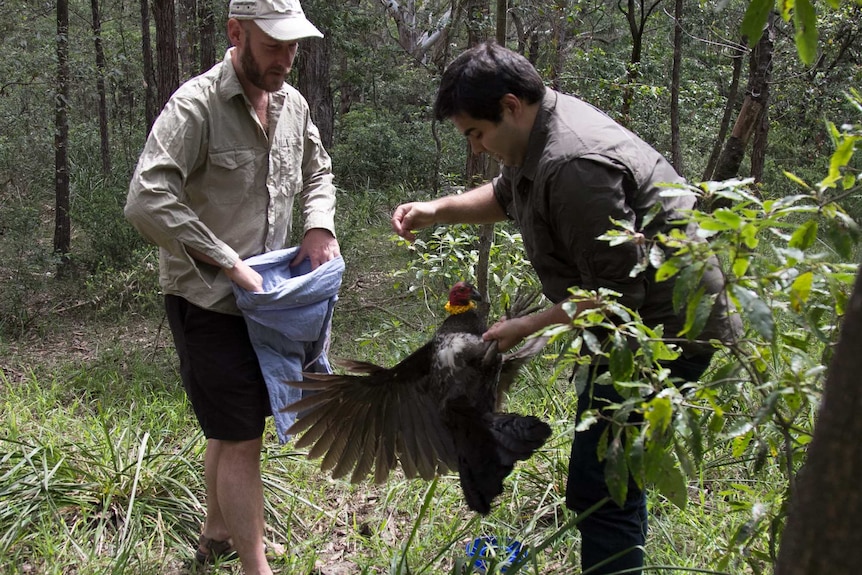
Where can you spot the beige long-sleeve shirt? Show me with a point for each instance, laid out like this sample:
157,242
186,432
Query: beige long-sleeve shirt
211,179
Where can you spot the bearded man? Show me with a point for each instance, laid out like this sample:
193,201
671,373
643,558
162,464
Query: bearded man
216,182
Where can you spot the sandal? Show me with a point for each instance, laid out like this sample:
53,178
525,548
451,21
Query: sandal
210,550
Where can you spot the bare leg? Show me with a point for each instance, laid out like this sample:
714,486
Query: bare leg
235,500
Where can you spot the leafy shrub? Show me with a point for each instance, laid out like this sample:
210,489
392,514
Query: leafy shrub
381,149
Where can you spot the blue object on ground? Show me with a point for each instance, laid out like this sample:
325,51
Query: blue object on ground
485,552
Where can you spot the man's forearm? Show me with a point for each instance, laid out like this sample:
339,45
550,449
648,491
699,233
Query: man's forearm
477,206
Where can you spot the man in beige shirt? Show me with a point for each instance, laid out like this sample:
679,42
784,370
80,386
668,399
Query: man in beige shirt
215,184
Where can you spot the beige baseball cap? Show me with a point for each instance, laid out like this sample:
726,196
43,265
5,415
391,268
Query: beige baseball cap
282,20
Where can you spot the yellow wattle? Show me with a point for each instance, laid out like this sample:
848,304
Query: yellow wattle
455,309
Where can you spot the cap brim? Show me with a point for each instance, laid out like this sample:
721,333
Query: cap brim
288,29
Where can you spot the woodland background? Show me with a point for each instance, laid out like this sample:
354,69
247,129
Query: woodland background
98,457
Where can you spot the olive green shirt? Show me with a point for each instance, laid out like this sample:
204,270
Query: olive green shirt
210,178
581,171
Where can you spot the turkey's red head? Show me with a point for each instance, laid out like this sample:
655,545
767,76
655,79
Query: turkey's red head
463,294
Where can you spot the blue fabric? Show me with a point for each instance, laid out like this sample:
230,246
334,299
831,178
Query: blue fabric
288,323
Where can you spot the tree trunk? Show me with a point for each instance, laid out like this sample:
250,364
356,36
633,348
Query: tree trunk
105,148
761,73
490,168
166,48
313,68
313,72
636,14
477,164
149,71
206,31
825,517
728,112
558,42
675,144
62,221
187,44
752,107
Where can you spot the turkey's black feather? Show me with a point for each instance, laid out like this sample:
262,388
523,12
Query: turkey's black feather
437,410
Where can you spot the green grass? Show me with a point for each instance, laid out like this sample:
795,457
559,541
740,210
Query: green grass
101,460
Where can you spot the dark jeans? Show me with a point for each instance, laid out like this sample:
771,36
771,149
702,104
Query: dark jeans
611,529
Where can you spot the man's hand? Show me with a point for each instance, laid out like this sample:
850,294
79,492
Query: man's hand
508,333
412,216
245,277
319,246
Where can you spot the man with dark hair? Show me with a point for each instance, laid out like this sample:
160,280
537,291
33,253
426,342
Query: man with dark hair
568,169
215,184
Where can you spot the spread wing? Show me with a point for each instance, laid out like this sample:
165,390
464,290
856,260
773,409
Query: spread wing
360,423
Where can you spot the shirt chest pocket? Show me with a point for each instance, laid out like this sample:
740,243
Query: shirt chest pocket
231,176
286,158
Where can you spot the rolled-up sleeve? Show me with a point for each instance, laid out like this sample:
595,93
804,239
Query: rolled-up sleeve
155,204
318,190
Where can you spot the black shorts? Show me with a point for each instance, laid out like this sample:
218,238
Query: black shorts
220,371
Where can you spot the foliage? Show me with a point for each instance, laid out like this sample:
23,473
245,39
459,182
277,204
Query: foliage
379,149
450,254
784,261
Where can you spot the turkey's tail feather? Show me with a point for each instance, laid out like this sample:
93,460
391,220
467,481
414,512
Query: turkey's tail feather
487,449
518,436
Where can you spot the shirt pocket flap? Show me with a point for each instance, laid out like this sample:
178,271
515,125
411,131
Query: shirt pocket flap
231,159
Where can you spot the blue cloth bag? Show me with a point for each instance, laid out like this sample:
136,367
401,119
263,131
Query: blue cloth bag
288,323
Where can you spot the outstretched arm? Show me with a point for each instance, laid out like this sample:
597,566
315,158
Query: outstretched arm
478,206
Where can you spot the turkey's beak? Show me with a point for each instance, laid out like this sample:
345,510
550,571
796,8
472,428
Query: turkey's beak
475,295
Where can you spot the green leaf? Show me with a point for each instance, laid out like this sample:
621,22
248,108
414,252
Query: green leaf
756,310
659,413
730,218
785,8
800,290
755,19
697,313
740,266
842,241
616,471
622,363
839,159
667,270
670,481
804,236
686,284
797,179
805,22
636,453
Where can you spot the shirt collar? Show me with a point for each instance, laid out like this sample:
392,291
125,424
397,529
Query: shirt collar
229,85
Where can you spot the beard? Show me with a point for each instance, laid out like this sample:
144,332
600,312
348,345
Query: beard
269,81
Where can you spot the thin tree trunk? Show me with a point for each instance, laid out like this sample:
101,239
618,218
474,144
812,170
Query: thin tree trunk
105,148
313,73
149,71
491,167
637,20
752,108
558,42
206,31
187,42
477,164
675,144
166,48
738,58
761,71
62,222
825,518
